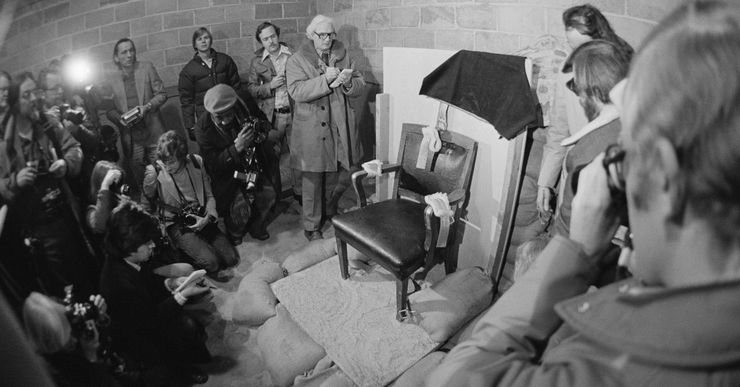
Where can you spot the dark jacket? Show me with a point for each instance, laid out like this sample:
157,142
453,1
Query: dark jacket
196,78
139,307
221,158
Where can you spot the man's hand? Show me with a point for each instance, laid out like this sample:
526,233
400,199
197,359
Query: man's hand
113,176
544,200
90,344
593,220
244,139
26,177
100,303
200,222
331,74
345,77
277,81
58,168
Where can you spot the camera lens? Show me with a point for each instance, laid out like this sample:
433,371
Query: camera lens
190,220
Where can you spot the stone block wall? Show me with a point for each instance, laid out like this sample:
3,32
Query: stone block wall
162,30
499,26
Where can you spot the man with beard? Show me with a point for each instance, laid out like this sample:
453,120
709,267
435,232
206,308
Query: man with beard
237,155
30,173
598,66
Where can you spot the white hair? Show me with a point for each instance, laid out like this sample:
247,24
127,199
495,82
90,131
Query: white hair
319,19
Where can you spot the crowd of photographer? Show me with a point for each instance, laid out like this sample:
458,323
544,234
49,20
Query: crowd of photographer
76,161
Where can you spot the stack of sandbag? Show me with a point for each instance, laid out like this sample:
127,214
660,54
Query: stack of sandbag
255,302
445,306
286,349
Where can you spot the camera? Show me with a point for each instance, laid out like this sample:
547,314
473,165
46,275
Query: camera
74,115
132,117
261,128
79,313
185,216
251,166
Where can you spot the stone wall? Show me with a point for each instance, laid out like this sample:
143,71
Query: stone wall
483,25
162,30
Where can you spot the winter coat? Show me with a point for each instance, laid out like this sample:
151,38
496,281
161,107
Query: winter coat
196,78
624,334
312,141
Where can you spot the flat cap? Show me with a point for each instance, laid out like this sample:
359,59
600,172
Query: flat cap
219,98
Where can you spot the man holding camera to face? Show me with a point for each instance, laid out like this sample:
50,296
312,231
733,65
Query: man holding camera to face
36,154
675,322
233,140
178,185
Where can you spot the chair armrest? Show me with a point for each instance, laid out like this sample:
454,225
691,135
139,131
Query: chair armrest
358,176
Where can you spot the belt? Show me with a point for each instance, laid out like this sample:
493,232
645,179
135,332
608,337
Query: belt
283,110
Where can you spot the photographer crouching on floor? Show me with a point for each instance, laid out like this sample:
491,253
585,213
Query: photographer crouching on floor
148,320
238,157
675,322
180,189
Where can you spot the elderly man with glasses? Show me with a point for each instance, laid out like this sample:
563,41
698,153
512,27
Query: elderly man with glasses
324,141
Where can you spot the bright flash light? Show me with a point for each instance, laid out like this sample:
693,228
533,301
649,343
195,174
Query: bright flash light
78,71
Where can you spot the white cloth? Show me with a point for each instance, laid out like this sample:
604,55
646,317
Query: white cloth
431,141
440,204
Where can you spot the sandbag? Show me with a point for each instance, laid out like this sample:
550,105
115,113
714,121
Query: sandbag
443,308
326,373
417,374
286,349
315,252
254,301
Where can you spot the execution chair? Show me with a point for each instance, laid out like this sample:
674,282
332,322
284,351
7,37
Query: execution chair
401,234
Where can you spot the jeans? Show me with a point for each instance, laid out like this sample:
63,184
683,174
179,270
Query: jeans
208,249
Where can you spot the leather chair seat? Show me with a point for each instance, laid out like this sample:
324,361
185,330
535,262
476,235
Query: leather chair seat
391,231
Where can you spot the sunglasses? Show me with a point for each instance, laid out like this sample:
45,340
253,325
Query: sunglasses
571,85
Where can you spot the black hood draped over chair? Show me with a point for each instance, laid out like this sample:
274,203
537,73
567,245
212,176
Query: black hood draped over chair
493,87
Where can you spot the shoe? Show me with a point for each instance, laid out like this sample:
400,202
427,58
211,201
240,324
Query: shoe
194,375
260,235
313,235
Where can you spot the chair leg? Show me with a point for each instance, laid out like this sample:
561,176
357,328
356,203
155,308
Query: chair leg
403,309
342,253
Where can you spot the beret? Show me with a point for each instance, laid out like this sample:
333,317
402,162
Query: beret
219,98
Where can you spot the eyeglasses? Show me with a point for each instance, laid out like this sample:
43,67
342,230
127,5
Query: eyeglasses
38,93
571,85
323,35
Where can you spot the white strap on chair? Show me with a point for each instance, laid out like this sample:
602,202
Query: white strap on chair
373,167
431,135
440,204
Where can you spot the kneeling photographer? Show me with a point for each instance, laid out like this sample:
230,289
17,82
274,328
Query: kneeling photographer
233,141
178,185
